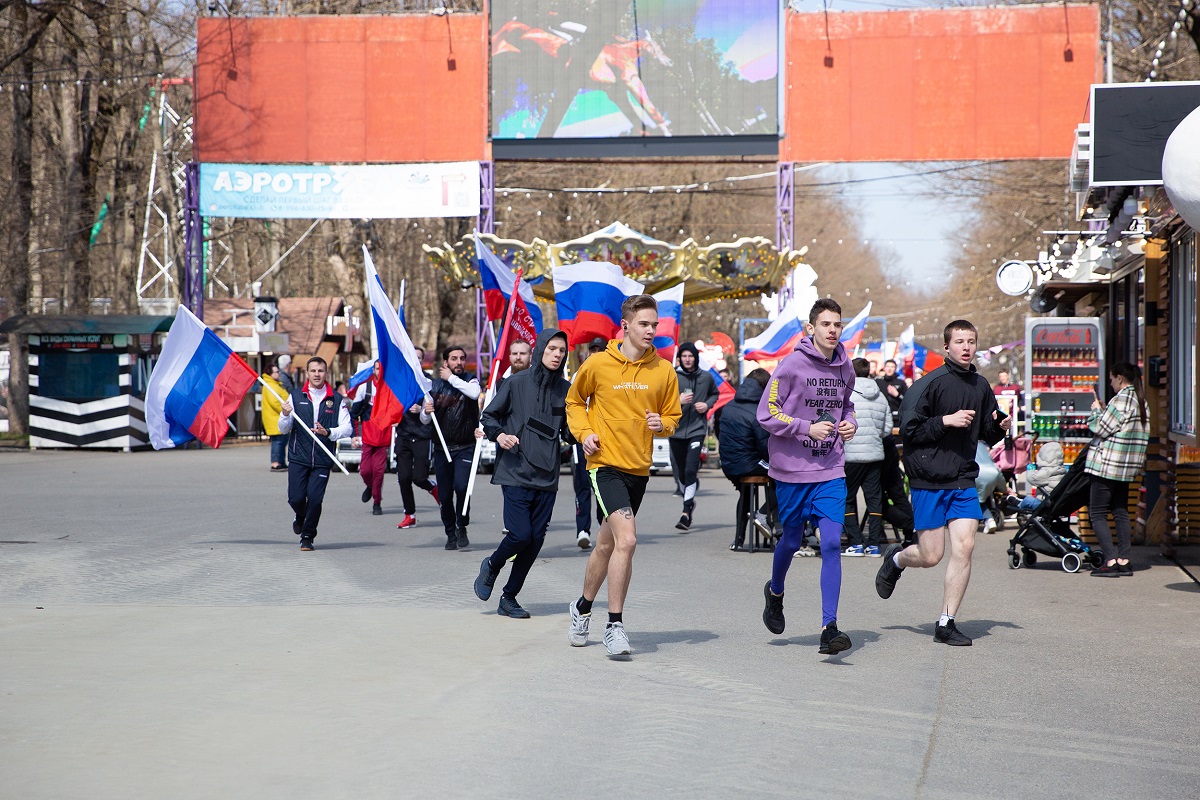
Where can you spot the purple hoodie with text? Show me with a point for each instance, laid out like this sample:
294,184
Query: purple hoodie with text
804,385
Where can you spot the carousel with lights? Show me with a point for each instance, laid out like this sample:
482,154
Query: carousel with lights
747,267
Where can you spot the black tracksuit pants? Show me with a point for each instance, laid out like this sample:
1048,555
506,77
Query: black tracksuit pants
452,477
867,477
306,492
526,518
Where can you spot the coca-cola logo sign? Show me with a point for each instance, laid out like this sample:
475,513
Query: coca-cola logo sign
1065,336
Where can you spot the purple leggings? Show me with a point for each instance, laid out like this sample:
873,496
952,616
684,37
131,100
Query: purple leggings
831,564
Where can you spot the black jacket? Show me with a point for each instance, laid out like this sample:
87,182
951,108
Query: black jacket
412,428
704,390
740,437
457,414
938,457
896,380
530,405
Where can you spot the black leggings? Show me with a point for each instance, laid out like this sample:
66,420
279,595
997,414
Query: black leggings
685,462
1110,497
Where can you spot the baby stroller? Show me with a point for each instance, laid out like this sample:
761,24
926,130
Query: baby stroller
1046,529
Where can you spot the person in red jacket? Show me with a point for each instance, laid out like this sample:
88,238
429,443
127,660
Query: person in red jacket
373,418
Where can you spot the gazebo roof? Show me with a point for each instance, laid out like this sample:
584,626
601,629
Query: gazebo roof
745,267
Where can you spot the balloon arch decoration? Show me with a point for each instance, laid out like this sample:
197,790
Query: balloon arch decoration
743,268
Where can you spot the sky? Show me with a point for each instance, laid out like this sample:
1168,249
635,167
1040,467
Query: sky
897,215
894,211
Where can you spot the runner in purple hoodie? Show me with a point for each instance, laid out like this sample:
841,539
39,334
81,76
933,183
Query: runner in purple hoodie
807,411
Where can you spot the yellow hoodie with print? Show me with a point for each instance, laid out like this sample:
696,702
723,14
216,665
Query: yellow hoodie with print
610,397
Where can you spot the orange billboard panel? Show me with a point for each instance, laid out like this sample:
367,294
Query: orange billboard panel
938,84
341,89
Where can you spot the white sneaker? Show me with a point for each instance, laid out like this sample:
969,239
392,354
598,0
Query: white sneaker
805,552
989,524
584,540
577,634
615,639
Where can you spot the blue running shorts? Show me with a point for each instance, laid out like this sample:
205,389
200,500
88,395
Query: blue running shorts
801,502
933,508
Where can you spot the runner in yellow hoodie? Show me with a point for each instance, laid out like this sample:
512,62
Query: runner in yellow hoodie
621,399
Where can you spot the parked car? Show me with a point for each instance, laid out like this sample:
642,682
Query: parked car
487,457
348,454
660,458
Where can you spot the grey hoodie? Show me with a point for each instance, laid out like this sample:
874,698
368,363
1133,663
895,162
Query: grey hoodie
530,405
874,416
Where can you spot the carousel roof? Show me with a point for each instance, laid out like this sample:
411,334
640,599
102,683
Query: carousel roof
748,266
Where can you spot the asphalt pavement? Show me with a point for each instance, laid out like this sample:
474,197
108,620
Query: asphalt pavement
161,635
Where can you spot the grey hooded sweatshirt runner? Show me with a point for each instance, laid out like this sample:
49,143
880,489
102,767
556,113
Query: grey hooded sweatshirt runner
530,405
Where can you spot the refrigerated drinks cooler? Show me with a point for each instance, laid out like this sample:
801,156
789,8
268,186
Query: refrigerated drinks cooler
1064,365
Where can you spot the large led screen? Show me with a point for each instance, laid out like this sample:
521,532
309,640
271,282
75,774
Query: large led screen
585,69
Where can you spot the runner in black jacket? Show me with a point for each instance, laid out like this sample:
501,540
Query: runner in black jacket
942,419
527,418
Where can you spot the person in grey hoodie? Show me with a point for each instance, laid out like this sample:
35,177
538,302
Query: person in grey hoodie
808,411
864,462
697,393
526,419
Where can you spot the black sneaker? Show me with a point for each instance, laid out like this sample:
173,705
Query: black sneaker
297,526
306,543
485,580
1108,571
773,612
463,541
451,541
833,641
366,495
509,607
376,511
889,573
685,522
1126,568
951,635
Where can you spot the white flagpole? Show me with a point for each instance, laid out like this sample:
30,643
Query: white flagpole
487,399
320,444
493,379
438,428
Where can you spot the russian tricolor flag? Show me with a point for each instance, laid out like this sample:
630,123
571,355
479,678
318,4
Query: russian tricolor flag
402,372
904,347
589,297
779,339
725,390
360,378
498,282
196,385
670,319
852,332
